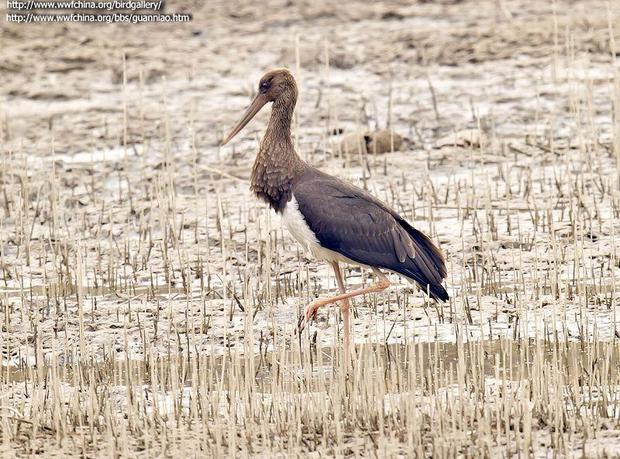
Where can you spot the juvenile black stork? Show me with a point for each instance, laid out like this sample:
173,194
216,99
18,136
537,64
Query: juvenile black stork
332,219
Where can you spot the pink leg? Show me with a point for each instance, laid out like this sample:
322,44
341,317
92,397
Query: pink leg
313,307
346,313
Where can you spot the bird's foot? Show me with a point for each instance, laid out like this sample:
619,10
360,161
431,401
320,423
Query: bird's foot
307,316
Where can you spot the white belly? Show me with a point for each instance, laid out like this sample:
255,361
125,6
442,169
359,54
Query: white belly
299,229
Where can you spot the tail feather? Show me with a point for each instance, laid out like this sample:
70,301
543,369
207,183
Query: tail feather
436,291
429,255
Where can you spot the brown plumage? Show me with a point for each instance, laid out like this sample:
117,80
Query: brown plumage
334,220
277,165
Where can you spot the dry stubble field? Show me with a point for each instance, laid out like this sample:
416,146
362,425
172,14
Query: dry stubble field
149,302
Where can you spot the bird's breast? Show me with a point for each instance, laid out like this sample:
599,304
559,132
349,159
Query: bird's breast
296,224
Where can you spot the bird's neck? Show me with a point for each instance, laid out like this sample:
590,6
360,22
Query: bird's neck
281,117
277,164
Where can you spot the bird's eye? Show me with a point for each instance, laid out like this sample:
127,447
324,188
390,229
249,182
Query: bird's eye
264,86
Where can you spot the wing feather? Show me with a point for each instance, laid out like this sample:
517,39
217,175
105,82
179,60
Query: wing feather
353,223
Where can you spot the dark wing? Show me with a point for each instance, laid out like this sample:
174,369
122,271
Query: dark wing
350,221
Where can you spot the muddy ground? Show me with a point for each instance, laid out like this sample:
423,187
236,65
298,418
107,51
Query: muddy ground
126,229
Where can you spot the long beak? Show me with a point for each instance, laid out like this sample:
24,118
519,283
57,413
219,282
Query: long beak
259,101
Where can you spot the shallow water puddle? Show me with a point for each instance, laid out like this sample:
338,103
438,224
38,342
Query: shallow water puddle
505,359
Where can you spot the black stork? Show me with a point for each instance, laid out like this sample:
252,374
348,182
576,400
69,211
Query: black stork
333,220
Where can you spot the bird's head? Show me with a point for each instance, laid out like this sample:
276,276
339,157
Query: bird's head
275,86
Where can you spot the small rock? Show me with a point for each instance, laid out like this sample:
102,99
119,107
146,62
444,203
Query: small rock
463,138
384,141
381,141
354,143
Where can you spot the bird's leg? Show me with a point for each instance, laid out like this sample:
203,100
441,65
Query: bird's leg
346,311
313,307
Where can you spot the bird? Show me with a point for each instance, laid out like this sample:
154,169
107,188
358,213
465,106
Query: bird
332,219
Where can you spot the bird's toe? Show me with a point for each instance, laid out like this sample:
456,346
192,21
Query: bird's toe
306,317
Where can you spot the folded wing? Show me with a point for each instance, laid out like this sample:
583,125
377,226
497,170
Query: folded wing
350,221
